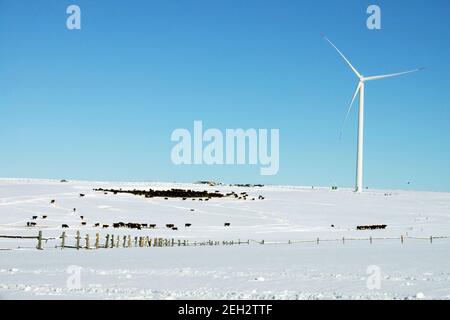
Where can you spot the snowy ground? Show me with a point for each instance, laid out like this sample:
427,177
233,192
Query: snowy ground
326,270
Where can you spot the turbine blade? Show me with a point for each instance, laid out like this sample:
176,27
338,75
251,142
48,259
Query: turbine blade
349,109
392,74
342,55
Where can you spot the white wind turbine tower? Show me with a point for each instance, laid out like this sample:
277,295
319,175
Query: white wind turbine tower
360,90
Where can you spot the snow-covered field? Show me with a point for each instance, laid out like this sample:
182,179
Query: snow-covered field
330,269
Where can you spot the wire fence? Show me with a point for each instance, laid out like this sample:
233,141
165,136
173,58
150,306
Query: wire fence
78,241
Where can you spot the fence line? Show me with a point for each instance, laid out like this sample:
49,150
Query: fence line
128,241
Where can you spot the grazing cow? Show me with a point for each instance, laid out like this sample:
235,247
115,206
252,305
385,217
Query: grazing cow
82,217
74,209
97,225
34,217
105,226
64,226
52,201
83,223
170,225
152,226
174,228
332,225
187,225
82,195
192,210
44,217
227,224
184,198
31,224
144,225
166,198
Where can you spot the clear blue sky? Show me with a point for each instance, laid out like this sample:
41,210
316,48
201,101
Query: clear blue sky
101,103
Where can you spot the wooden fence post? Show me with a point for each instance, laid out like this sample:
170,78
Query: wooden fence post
112,241
431,239
97,240
63,240
370,239
135,241
124,241
78,240
129,241
401,238
317,240
343,240
87,241
107,241
39,245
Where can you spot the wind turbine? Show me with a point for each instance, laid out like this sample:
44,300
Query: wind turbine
360,90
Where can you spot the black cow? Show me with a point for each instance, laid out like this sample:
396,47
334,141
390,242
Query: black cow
227,224
44,217
152,226
82,195
105,226
34,217
97,225
82,217
187,225
31,224
174,228
170,225
83,223
64,226
52,201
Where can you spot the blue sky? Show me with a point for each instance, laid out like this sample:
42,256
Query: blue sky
100,103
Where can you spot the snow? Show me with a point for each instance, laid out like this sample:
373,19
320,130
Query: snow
416,269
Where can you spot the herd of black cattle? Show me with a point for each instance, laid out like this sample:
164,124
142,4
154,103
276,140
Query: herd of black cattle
372,227
166,194
173,193
180,193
